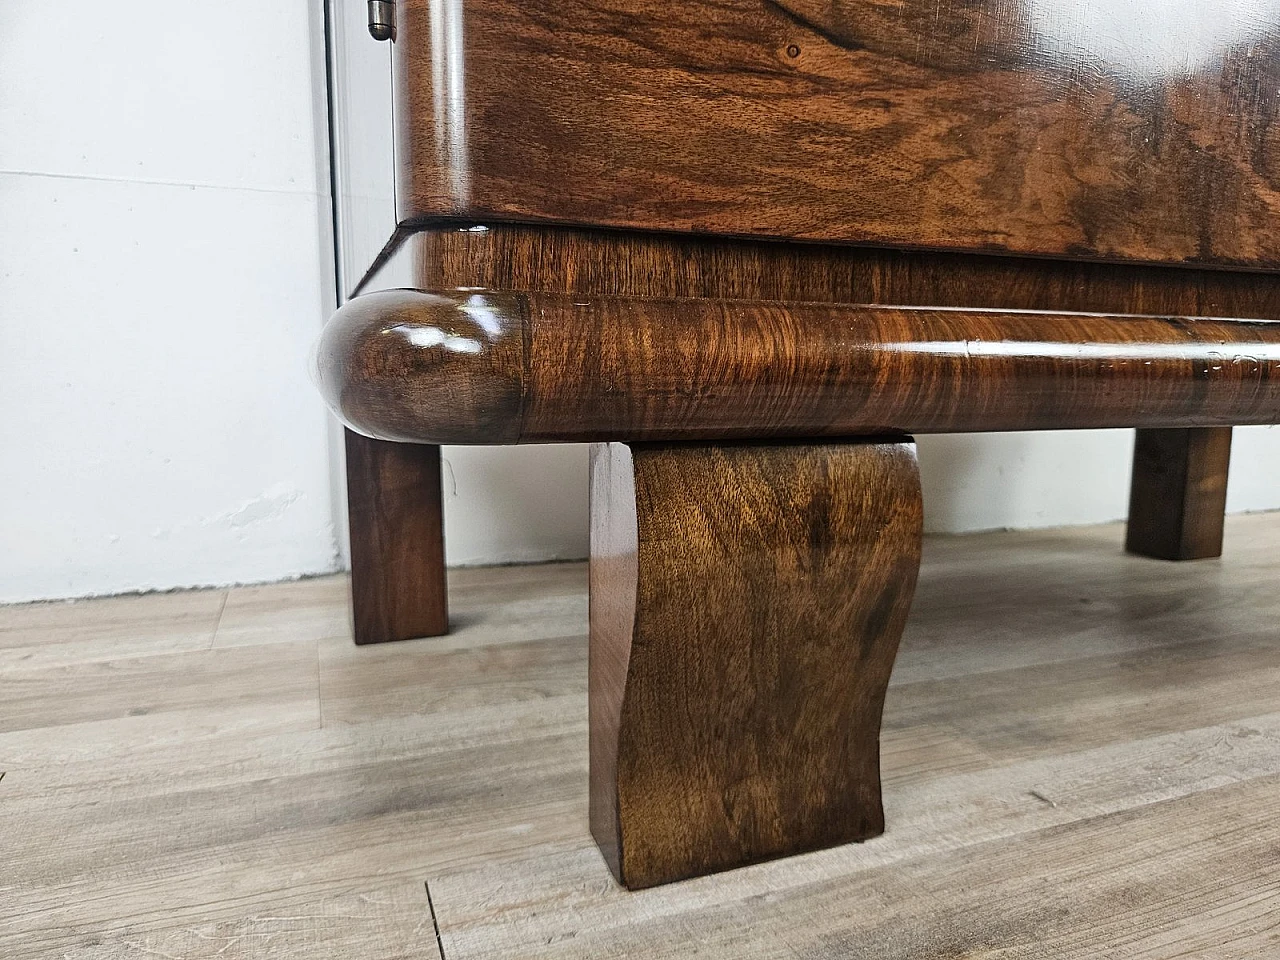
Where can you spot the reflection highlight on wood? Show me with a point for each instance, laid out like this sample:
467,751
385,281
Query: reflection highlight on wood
746,607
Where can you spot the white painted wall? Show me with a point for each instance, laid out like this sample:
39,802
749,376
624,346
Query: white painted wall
508,505
165,262
1061,478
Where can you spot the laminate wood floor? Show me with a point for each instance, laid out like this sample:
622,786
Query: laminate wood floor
1081,753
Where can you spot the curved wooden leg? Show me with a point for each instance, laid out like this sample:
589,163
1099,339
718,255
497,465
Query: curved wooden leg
1179,493
746,606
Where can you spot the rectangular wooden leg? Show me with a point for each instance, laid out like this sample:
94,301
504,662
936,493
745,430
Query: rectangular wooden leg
397,540
1179,494
746,606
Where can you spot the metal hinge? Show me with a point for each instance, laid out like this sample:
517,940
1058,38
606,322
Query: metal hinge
382,19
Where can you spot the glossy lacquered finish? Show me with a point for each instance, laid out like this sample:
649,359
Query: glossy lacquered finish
1082,128
746,606
493,368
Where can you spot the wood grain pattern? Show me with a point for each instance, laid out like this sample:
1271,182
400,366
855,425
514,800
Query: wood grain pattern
757,594
1179,493
397,543
631,264
484,367
1076,129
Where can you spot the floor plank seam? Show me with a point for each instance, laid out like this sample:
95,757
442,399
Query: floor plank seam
319,689
217,623
435,923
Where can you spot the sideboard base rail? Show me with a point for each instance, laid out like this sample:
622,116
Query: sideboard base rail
482,367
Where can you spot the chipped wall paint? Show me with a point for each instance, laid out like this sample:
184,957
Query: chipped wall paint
268,507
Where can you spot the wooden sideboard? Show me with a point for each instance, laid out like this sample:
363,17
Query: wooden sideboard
750,247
